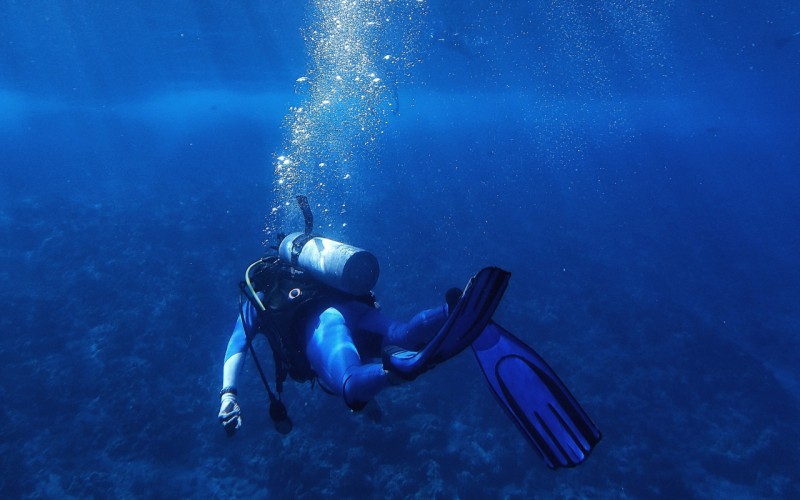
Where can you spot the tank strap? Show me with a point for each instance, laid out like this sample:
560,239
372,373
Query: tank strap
297,247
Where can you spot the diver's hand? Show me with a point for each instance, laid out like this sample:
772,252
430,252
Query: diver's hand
230,415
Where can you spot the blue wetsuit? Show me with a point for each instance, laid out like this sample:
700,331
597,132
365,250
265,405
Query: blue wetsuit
331,338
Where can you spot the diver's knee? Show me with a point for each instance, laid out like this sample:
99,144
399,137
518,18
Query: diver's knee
361,383
350,399
331,317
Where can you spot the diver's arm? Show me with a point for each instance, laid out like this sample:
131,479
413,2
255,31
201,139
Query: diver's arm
234,356
237,345
229,411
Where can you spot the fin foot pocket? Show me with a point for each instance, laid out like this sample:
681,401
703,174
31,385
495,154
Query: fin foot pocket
472,312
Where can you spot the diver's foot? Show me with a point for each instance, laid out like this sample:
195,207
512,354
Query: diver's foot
393,356
469,315
451,297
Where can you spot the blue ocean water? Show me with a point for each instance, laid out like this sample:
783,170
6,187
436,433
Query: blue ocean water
633,164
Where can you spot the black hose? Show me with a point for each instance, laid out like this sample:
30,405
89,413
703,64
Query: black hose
277,410
308,217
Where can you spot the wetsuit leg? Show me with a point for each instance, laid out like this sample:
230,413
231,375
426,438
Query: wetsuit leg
412,335
335,360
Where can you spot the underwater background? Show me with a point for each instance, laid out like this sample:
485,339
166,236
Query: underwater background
633,164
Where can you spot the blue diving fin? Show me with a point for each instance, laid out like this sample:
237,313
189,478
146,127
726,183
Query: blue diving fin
535,398
466,322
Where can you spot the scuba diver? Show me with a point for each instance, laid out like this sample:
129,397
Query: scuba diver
313,301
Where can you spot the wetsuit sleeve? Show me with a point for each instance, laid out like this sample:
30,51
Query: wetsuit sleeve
237,345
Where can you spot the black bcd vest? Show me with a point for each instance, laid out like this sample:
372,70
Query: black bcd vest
290,296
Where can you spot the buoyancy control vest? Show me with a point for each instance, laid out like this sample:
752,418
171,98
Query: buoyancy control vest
289,296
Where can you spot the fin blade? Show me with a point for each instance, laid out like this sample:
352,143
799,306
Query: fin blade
535,398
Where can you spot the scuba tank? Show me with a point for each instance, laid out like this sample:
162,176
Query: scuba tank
344,267
339,265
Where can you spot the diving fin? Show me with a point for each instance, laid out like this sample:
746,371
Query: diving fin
535,398
466,321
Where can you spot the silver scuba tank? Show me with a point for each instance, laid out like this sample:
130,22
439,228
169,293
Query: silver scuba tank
341,266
